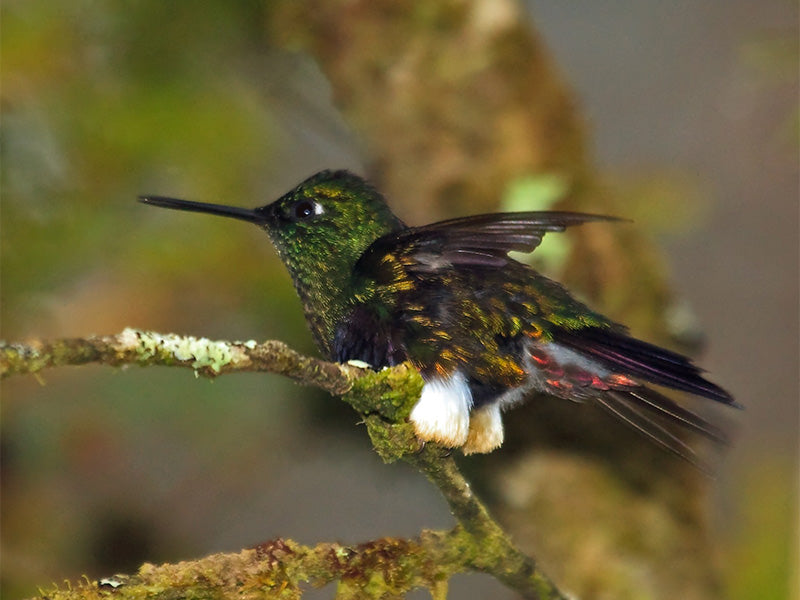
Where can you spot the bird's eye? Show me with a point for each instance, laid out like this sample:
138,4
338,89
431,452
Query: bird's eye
305,209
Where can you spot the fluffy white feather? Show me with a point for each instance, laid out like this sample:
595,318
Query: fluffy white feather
442,412
485,430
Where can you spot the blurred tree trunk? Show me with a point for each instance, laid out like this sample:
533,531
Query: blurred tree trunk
455,101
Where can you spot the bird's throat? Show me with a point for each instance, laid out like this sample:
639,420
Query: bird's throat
325,290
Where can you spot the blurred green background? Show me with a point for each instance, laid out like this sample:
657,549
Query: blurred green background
693,103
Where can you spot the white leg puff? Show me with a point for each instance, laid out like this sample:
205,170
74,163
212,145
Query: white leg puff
485,430
442,412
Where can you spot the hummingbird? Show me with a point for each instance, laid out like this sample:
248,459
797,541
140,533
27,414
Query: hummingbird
483,329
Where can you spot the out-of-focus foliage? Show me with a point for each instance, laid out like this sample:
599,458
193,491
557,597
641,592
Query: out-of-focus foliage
103,101
763,563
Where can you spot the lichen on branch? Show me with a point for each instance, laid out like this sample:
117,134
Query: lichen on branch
206,357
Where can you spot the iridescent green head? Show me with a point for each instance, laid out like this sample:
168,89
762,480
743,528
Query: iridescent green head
320,229
331,217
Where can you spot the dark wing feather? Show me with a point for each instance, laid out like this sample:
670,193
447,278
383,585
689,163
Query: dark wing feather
479,240
494,233
636,358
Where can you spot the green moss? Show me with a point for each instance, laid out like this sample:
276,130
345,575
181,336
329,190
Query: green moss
392,441
385,399
390,392
18,359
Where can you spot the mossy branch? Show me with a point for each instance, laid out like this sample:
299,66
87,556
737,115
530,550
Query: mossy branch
385,568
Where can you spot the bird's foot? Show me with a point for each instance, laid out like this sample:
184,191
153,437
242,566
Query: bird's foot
359,364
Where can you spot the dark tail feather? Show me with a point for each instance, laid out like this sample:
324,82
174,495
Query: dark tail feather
632,409
669,409
630,356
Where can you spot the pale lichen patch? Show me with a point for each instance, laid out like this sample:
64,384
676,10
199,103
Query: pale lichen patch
202,352
127,340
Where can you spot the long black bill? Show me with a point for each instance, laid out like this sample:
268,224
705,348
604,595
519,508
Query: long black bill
250,215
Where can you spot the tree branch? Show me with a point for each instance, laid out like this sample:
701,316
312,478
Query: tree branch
206,357
276,569
383,568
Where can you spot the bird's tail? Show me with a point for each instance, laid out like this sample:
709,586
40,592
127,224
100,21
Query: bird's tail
652,413
646,362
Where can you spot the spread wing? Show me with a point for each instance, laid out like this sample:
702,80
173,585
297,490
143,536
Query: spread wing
414,272
479,240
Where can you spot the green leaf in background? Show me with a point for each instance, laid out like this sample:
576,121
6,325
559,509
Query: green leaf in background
539,192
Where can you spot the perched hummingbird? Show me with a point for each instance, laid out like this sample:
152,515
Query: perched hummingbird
482,328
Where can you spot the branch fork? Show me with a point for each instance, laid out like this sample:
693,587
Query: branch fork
385,568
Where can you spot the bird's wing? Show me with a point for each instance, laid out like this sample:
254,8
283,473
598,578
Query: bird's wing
479,240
